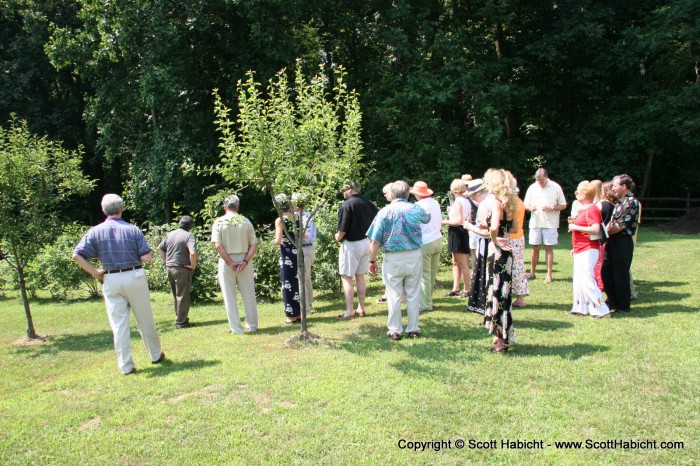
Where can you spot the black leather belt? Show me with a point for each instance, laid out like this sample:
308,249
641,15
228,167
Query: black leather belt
124,270
307,244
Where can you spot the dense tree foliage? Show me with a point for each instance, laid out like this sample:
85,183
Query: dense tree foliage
38,175
588,89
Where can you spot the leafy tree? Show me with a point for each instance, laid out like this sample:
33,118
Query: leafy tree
302,139
38,175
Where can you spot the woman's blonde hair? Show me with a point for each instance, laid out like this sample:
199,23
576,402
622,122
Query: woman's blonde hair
598,190
496,183
458,186
586,188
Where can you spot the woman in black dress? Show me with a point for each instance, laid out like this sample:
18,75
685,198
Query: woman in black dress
288,263
477,291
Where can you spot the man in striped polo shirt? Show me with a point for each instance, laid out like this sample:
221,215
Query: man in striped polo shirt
122,250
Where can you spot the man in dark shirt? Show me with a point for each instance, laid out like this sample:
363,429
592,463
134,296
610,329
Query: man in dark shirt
179,251
121,249
354,218
620,246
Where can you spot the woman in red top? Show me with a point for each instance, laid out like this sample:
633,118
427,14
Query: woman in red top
587,296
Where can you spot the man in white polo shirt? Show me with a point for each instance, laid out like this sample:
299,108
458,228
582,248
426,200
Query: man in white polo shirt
544,199
432,242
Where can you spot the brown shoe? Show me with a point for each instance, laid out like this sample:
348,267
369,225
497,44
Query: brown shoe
160,359
395,336
413,334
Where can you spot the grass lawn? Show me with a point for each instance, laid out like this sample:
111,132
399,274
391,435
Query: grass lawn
353,397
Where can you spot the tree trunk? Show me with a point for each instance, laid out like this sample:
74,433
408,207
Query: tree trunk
511,119
19,266
643,190
31,333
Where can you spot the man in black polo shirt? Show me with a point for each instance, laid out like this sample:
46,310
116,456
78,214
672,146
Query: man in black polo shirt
354,218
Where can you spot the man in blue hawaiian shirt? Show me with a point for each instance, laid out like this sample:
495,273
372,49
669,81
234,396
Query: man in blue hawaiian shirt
396,228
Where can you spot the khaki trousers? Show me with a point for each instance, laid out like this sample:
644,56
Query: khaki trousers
123,291
431,262
402,273
243,281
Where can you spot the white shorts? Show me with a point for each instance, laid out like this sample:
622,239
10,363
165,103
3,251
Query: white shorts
473,240
549,235
353,257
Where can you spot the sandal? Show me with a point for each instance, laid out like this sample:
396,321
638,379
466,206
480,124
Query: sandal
360,314
289,321
344,317
382,300
453,293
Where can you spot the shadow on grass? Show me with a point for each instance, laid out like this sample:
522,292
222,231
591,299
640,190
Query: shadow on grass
372,338
538,324
653,286
568,352
169,366
641,311
166,327
97,341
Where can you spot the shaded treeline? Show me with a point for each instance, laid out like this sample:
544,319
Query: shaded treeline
586,88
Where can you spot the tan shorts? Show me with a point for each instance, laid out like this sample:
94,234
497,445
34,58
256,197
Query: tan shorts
353,257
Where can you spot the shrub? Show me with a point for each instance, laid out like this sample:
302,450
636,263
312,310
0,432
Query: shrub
324,272
267,267
54,269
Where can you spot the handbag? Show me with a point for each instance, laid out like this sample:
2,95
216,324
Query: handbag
601,234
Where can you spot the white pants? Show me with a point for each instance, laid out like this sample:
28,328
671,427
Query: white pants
308,288
402,272
123,291
243,280
587,295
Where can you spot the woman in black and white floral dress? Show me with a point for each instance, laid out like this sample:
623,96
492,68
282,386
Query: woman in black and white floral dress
498,318
288,264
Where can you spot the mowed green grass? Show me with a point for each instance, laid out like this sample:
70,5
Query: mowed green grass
354,396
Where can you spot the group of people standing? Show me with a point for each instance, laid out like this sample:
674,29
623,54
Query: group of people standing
485,220
603,222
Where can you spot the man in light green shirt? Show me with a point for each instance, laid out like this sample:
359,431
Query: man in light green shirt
234,239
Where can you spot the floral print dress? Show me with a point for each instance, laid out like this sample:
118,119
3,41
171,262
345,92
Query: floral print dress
498,318
289,274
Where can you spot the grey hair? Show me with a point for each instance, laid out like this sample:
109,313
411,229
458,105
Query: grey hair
186,222
399,189
626,180
112,204
232,202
